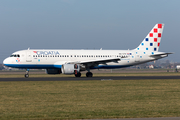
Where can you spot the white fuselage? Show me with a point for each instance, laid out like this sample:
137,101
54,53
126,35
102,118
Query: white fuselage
44,59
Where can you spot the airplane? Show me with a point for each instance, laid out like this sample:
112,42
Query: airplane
74,61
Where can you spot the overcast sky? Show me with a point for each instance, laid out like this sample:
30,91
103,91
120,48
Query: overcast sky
86,24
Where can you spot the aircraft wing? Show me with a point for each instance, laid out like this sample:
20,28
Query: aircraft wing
101,61
91,63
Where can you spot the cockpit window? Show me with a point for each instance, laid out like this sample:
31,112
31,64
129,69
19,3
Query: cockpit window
15,55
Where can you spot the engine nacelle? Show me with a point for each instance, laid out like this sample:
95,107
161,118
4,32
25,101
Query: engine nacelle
70,68
53,71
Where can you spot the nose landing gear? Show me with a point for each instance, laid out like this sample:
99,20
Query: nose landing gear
27,73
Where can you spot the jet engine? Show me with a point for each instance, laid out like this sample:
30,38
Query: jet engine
53,71
70,68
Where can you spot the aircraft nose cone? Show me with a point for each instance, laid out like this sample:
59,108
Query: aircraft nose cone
6,61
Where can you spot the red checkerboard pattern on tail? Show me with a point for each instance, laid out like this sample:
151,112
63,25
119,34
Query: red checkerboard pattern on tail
151,42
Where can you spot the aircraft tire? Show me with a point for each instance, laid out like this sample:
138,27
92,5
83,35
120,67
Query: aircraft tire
26,75
78,75
89,74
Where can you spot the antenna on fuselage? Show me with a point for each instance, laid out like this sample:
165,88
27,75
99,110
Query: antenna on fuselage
101,49
29,48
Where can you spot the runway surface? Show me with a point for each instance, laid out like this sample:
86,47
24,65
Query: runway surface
92,78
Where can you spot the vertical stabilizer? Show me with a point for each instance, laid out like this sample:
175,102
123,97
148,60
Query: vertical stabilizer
152,41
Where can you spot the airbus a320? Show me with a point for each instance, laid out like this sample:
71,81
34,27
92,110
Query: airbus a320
75,61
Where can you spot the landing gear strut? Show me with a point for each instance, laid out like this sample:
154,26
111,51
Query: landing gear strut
27,73
89,74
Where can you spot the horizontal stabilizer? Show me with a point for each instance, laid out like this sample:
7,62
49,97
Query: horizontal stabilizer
159,54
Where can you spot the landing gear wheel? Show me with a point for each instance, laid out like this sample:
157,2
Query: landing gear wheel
26,75
78,75
89,74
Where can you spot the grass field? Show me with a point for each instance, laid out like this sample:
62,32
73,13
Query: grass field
89,99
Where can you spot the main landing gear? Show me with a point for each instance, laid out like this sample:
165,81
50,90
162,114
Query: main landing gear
78,74
89,74
27,73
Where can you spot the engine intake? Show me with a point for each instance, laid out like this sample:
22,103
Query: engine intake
70,68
